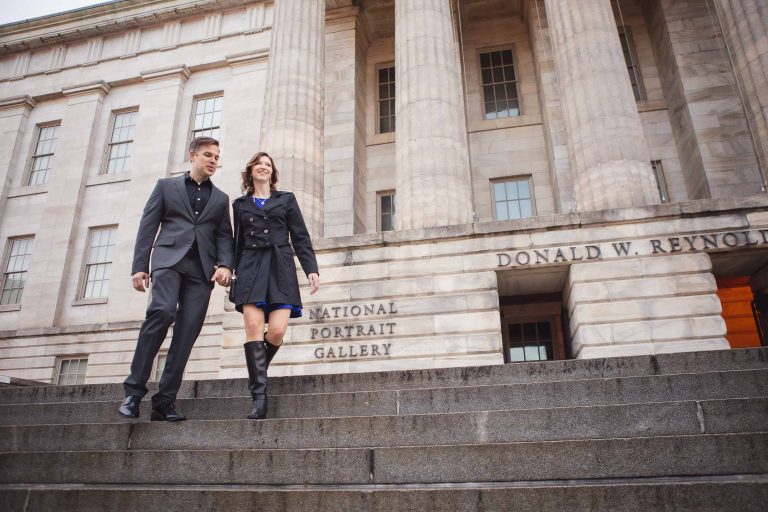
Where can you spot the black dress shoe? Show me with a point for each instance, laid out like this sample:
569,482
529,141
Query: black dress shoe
166,412
130,407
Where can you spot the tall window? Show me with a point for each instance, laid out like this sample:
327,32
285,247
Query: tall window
72,371
15,272
630,57
98,263
661,183
386,211
386,100
530,341
512,198
207,117
499,84
43,155
121,143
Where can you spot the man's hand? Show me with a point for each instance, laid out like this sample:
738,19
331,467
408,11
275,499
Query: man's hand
140,281
314,282
222,275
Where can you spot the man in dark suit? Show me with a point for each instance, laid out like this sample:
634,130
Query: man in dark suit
193,249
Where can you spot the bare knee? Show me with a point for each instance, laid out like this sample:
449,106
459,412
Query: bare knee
253,319
276,334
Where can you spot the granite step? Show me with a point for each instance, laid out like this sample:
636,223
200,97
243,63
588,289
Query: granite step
606,391
509,426
692,494
643,457
521,373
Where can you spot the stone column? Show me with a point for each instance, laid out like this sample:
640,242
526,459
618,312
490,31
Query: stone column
292,122
154,148
648,305
433,182
745,24
606,144
51,259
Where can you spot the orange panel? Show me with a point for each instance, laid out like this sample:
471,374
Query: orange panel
736,297
735,294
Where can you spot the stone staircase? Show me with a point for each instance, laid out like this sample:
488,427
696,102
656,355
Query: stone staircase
673,432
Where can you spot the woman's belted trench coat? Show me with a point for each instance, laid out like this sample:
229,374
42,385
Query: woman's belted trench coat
265,241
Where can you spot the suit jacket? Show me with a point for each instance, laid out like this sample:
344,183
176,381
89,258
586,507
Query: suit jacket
169,210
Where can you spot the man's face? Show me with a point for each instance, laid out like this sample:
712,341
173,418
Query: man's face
205,160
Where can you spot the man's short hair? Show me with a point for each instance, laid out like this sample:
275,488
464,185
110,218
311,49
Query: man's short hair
198,142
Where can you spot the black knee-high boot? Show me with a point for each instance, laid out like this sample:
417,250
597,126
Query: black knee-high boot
271,349
256,360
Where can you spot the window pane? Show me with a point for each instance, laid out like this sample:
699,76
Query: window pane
526,209
531,353
514,209
516,354
523,190
499,192
501,211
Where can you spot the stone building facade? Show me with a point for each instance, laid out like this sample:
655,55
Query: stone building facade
486,181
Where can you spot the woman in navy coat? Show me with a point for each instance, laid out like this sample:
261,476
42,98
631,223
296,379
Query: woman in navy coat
269,227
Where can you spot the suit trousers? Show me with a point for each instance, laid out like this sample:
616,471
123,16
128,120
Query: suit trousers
180,296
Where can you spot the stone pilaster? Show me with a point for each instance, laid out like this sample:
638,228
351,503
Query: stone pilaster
346,42
433,183
154,151
551,108
606,146
51,258
292,122
707,117
648,305
14,115
745,24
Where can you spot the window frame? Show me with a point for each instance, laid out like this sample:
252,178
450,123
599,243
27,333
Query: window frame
6,259
58,367
657,167
505,179
28,171
108,145
379,195
191,131
480,85
83,281
377,68
626,31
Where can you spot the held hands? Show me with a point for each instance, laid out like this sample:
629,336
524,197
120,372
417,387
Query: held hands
222,275
314,282
140,281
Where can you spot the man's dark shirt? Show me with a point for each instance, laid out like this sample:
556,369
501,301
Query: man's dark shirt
199,195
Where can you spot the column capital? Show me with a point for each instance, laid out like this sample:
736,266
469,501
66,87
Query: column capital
25,103
181,72
101,87
245,58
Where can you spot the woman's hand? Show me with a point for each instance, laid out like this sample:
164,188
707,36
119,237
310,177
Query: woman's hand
314,282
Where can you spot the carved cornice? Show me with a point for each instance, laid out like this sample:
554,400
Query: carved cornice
154,75
26,102
242,59
100,87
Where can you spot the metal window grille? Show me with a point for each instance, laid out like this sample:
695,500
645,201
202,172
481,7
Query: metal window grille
530,341
512,199
661,183
207,119
15,272
387,211
630,58
72,371
386,100
99,262
121,143
43,155
499,84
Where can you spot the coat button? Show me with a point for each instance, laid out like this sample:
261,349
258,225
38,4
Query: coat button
253,233
266,231
250,220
